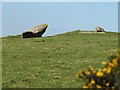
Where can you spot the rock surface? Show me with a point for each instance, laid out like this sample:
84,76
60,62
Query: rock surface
37,31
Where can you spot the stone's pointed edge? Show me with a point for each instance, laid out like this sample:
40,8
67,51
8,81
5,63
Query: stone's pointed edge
46,25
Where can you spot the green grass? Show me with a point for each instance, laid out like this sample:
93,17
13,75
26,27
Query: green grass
53,61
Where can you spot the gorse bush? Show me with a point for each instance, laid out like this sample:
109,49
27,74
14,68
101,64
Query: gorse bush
106,77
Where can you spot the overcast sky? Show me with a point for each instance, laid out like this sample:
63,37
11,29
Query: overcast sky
61,17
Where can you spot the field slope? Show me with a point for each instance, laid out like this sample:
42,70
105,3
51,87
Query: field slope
53,61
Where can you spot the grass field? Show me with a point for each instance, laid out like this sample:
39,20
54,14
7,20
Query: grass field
53,61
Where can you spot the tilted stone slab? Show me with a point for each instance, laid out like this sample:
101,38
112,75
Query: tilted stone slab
37,31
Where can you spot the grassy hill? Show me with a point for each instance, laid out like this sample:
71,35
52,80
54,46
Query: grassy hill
53,61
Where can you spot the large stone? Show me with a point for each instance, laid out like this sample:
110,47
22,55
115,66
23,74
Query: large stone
99,29
37,31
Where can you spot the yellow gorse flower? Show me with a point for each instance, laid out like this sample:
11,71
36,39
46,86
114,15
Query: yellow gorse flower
104,62
115,61
107,84
107,70
85,86
99,74
96,78
91,69
98,86
92,81
111,64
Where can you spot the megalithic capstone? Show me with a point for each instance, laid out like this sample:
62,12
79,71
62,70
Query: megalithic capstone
99,29
36,31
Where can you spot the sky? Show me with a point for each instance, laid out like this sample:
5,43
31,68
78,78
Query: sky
61,17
